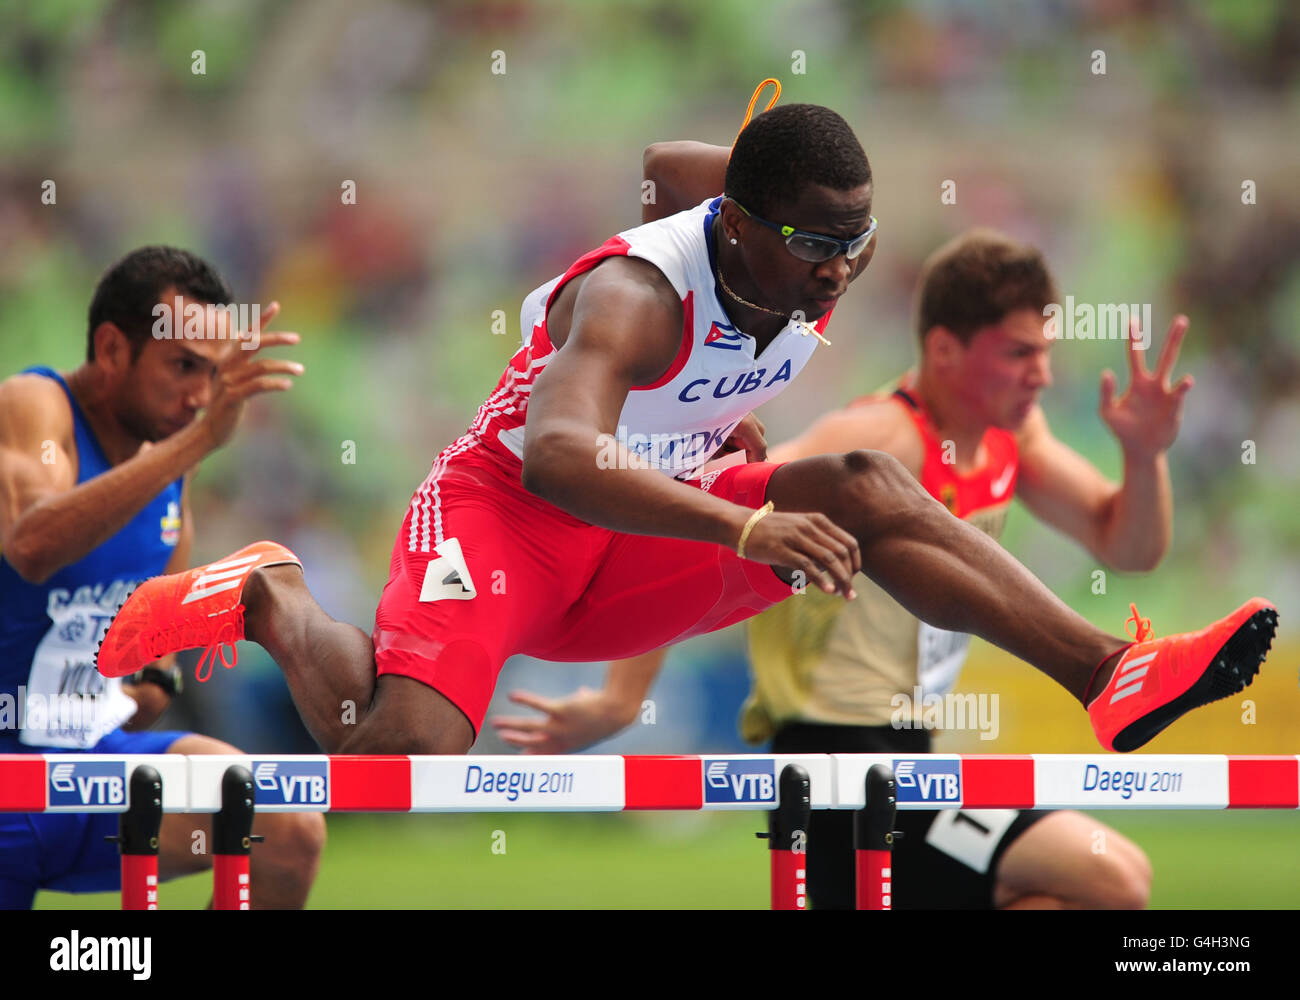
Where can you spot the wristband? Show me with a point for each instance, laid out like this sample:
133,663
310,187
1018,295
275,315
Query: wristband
754,518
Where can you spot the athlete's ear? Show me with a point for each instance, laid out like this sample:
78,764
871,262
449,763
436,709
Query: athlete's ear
731,218
941,347
112,349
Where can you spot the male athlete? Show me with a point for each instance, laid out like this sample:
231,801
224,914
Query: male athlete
568,522
832,676
94,497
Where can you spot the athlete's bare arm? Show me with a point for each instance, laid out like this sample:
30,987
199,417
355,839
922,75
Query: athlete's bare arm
684,174
586,717
47,520
1128,526
619,329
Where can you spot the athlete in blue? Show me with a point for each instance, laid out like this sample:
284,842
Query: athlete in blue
94,498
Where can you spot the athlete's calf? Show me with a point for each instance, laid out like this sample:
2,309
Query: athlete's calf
943,570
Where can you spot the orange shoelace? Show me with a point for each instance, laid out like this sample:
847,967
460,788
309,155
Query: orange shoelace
1140,632
1141,626
172,639
232,627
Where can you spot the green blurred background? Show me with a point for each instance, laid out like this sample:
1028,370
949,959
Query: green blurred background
474,187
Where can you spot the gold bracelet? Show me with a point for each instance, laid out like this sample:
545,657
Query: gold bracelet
754,518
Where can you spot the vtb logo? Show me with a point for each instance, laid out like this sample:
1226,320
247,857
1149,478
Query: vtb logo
927,780
291,782
88,783
727,781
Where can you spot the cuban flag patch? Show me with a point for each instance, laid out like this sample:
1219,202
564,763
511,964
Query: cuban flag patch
725,338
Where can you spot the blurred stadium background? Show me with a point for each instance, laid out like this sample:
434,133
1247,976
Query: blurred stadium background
474,187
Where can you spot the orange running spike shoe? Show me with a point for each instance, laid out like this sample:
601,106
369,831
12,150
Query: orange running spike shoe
1158,680
199,607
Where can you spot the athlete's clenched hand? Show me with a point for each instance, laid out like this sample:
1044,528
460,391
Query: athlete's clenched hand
244,374
811,544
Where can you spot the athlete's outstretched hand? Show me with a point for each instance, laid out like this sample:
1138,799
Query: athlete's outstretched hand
813,545
568,724
1147,417
751,435
243,374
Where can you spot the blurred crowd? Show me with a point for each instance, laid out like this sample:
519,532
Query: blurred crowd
491,143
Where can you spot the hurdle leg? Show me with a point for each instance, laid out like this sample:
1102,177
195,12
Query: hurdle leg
787,839
232,841
137,839
873,841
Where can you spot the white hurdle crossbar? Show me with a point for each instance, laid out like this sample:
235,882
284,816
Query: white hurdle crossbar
599,783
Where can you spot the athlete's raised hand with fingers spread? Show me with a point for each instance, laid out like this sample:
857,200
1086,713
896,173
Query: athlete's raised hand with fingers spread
1147,417
244,374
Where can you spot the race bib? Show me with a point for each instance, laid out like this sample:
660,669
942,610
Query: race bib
67,702
940,655
970,836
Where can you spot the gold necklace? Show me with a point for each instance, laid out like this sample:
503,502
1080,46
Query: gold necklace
807,327
745,302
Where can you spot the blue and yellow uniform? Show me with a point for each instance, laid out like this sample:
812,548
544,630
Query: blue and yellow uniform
53,700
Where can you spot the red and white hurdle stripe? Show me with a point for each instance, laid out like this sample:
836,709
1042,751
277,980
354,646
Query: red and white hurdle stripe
788,787
593,783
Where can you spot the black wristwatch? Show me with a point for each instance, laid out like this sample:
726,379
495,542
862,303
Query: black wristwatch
168,680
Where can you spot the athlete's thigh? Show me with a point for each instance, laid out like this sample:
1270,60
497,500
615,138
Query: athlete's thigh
648,592
808,484
1069,856
852,489
948,859
411,716
477,569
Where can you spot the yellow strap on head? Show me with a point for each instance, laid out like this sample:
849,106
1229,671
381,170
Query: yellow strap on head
749,111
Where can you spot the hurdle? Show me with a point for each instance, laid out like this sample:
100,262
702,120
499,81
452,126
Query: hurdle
607,783
137,839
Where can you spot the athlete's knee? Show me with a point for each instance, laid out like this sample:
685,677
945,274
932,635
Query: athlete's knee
385,731
271,596
292,848
410,716
1119,877
381,739
877,490
1129,878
